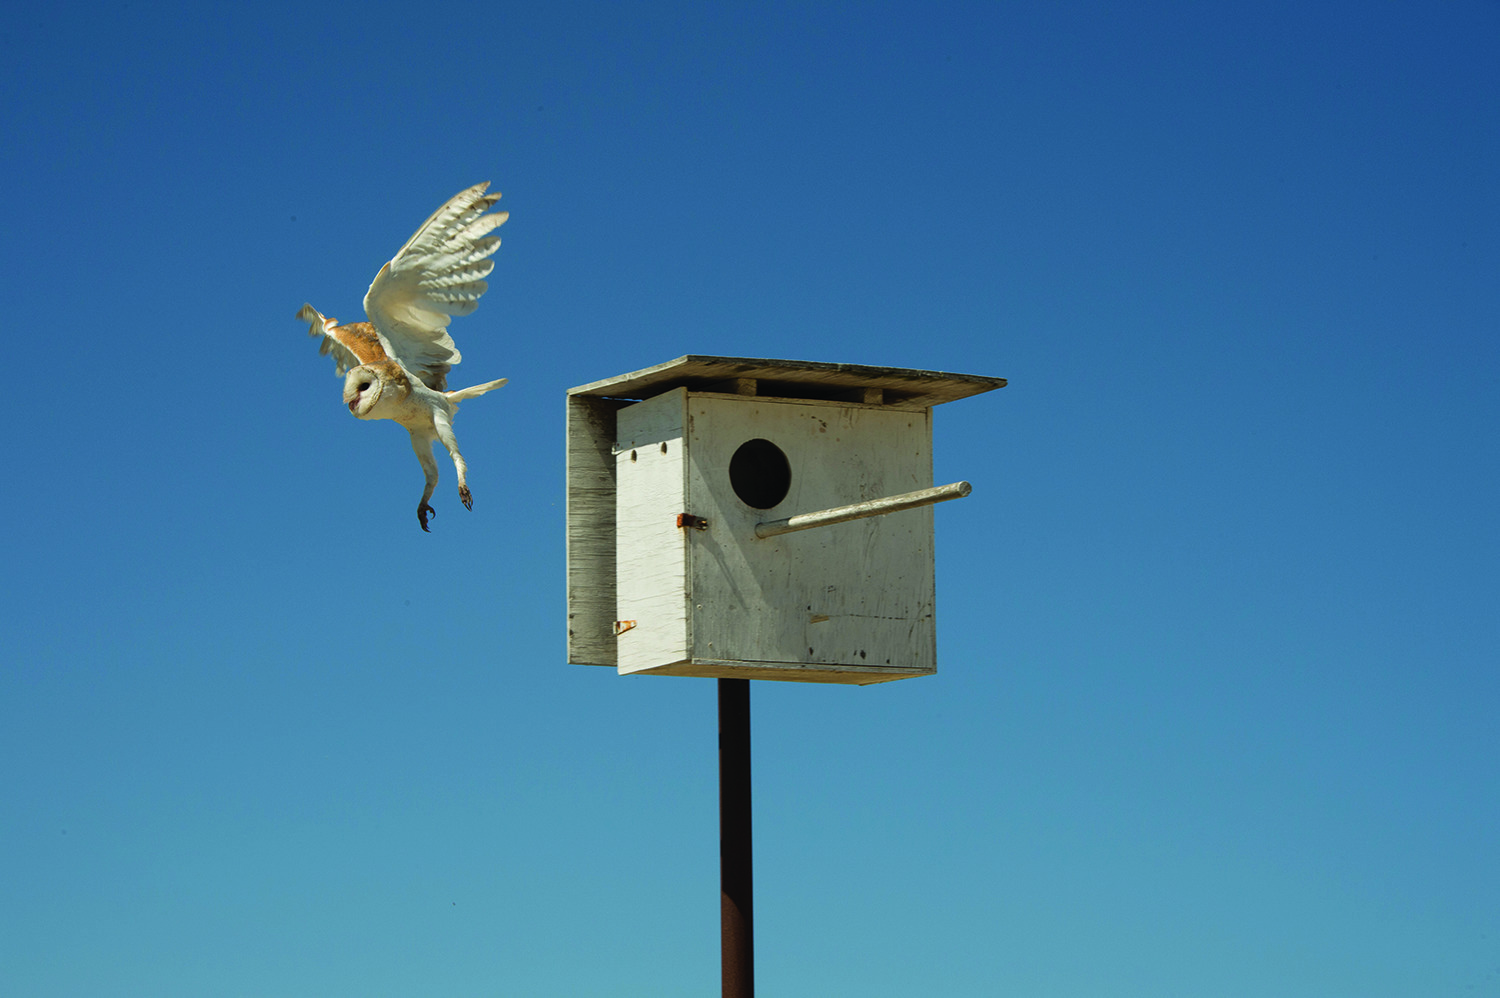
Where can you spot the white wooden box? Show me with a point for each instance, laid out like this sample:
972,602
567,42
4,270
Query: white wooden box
666,573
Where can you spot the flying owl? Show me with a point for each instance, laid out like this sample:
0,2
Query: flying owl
396,365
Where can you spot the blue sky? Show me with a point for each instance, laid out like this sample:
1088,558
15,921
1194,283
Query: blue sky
1218,628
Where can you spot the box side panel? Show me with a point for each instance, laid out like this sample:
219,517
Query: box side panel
591,530
855,595
651,555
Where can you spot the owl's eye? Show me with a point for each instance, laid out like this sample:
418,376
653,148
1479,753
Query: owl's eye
364,386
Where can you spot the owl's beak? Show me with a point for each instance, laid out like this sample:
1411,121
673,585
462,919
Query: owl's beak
352,403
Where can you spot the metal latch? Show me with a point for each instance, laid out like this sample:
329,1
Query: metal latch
689,520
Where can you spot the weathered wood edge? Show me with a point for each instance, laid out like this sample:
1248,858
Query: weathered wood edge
787,672
590,501
698,372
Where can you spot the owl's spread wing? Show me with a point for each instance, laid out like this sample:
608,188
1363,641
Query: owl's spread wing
438,274
350,345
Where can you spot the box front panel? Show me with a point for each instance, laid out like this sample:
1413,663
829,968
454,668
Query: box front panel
853,595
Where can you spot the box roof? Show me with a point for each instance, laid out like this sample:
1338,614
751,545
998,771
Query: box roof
792,379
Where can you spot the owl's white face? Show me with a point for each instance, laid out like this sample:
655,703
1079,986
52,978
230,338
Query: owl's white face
363,387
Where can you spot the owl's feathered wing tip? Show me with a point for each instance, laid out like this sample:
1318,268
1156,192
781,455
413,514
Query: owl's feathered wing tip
311,315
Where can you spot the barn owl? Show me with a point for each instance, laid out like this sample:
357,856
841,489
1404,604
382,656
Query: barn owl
396,365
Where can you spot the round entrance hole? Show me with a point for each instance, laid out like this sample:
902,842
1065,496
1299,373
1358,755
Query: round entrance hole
760,474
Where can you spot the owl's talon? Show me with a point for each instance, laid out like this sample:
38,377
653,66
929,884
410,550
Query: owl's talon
465,498
423,512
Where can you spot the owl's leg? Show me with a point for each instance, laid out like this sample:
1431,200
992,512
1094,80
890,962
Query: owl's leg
444,428
422,444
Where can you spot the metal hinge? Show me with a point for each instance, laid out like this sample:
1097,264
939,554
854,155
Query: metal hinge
689,520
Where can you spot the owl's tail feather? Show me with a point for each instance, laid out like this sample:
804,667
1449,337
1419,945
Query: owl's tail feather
475,392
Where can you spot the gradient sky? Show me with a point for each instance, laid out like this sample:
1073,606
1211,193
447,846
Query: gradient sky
1216,709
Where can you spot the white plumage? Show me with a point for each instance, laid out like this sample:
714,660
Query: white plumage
396,365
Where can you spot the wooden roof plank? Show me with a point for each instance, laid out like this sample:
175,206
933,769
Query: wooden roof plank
794,378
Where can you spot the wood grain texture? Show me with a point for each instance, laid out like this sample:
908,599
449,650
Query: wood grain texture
591,529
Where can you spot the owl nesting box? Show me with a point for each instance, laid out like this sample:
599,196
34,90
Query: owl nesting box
765,519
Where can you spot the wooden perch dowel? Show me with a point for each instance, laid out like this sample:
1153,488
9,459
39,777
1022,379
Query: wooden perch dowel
871,507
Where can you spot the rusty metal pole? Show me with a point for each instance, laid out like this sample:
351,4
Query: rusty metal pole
736,907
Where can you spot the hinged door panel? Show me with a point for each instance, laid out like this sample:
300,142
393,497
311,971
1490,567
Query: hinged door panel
651,554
